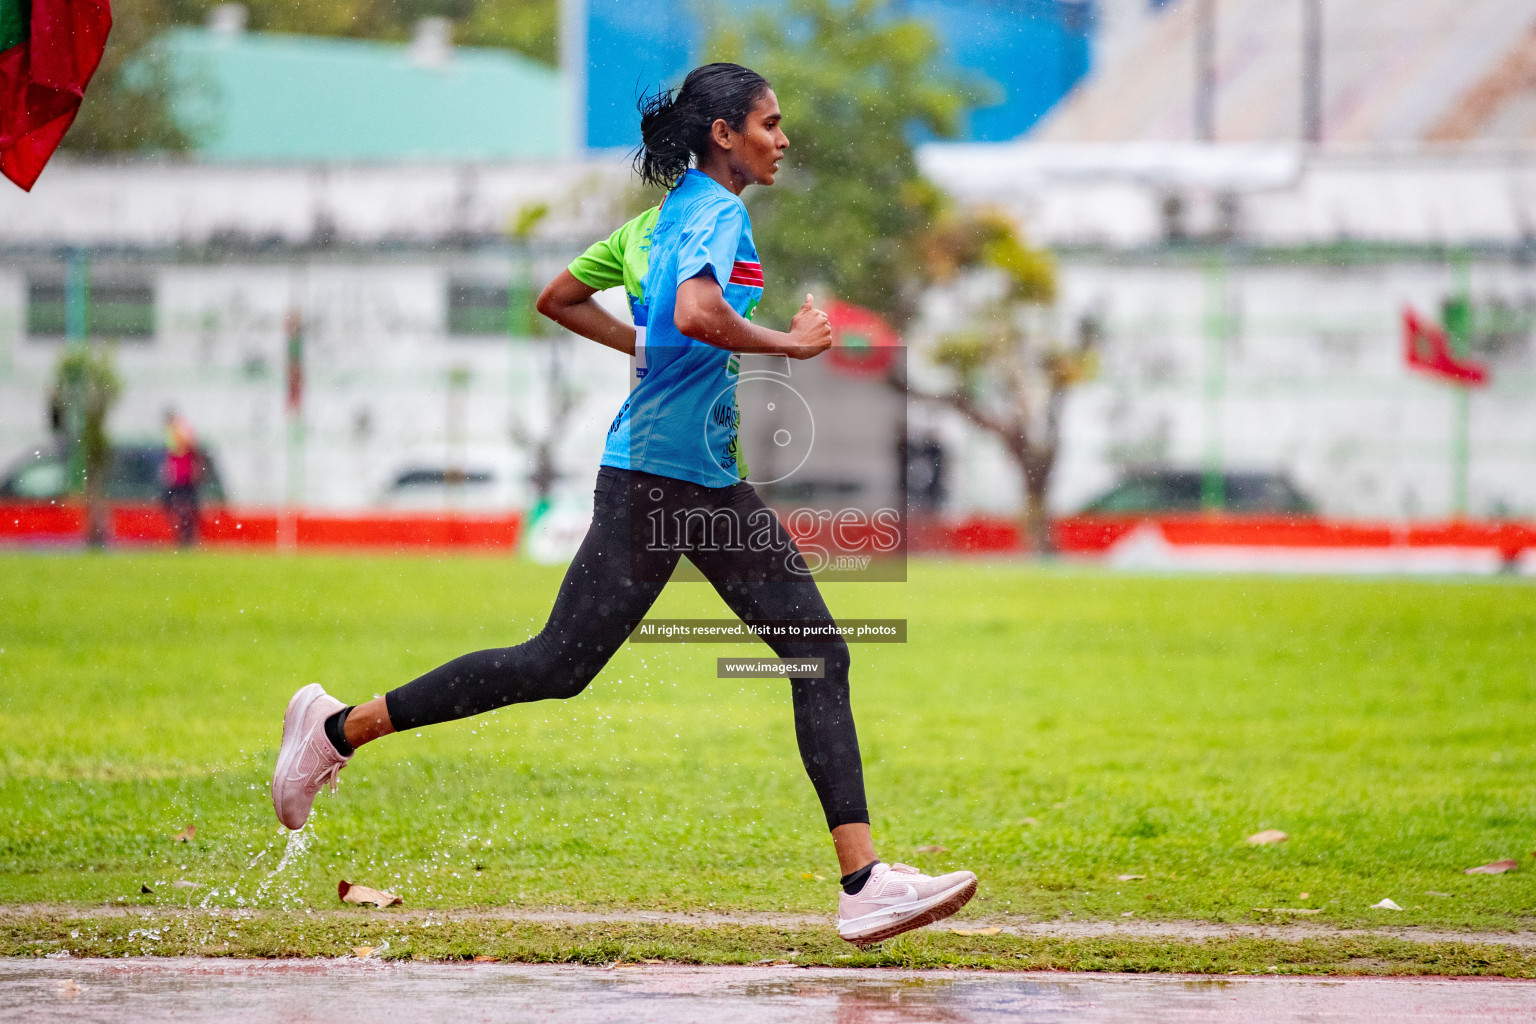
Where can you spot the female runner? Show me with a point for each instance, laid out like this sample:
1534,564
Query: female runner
670,484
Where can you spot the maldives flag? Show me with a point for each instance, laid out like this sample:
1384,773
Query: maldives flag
1428,348
48,51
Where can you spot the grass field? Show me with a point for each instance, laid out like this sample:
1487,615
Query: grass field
1052,729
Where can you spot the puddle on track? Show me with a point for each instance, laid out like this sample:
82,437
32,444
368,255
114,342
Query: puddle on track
370,992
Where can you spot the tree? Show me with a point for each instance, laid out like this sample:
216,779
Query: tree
1010,371
85,389
528,26
855,83
561,396
853,213
531,27
128,106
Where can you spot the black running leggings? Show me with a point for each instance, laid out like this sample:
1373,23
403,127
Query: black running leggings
640,527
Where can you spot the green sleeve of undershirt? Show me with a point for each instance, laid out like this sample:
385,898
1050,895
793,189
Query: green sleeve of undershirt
602,265
623,258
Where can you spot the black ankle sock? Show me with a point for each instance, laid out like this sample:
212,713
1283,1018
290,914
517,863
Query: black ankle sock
854,884
336,732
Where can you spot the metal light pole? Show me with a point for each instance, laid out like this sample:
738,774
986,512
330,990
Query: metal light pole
1213,496
1457,316
456,435
1312,71
573,70
293,497
77,299
1205,70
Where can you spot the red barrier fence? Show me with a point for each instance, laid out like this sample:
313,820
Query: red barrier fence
1097,535
1076,535
148,524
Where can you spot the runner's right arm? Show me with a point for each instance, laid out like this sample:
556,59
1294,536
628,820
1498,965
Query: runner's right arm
567,300
569,303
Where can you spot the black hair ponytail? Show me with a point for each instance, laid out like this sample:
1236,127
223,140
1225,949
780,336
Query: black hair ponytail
675,123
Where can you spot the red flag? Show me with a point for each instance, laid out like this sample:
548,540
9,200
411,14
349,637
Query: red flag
1427,348
863,343
53,49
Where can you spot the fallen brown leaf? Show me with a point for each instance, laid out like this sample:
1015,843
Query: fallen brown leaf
188,833
994,930
362,894
1268,836
933,848
1498,867
813,875
1305,896
363,951
484,958
652,960
1034,821
1130,878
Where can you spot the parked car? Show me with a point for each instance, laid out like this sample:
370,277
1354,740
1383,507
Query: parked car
434,488
1174,491
134,476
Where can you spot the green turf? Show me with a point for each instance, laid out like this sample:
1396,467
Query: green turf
1146,724
392,935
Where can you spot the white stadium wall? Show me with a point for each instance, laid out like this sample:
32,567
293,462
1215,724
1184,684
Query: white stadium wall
1309,377
1313,377
387,386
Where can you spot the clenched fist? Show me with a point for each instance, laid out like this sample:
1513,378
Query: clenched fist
810,331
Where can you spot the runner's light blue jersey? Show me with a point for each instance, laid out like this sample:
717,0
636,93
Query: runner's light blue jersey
681,418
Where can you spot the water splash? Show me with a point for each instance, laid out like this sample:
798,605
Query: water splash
284,892
298,845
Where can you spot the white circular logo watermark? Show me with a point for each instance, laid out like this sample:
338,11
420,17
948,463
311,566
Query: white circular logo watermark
770,403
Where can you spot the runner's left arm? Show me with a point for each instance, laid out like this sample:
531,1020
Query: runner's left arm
708,244
703,314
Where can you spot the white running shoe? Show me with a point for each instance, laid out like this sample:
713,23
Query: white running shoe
897,898
307,761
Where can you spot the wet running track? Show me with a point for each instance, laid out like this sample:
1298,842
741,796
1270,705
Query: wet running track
370,992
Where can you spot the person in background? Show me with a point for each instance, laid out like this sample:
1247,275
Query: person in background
179,474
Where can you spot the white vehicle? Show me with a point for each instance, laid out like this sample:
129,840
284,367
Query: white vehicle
437,488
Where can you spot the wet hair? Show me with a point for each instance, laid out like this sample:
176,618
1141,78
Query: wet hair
675,123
